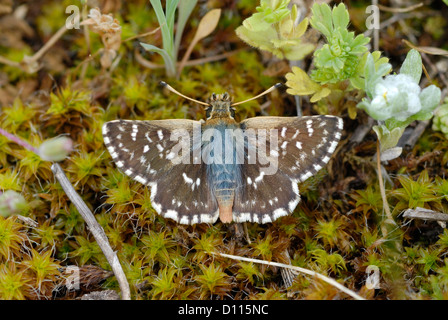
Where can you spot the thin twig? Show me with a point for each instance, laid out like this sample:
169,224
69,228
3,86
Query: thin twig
96,230
48,45
425,214
9,62
382,190
19,141
142,35
400,10
298,269
150,65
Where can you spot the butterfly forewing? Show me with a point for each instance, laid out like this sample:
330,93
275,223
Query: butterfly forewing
302,147
148,151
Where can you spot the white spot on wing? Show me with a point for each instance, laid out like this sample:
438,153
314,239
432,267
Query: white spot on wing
266,218
280,212
283,132
140,179
187,179
260,177
171,214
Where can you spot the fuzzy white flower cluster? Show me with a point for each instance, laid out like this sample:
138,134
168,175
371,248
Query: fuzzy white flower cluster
397,100
396,96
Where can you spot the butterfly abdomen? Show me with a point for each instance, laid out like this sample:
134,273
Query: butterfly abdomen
223,171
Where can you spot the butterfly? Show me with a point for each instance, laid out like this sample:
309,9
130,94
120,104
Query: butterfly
199,171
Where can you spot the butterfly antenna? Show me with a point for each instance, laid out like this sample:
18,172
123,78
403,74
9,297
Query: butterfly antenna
275,86
166,85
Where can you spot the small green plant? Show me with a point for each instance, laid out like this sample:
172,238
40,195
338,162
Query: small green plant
440,120
397,100
14,283
10,237
339,61
171,42
273,29
164,286
213,281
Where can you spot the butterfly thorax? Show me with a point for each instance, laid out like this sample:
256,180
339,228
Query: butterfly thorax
220,109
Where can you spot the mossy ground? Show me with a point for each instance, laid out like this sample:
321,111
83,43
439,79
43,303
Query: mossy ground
335,230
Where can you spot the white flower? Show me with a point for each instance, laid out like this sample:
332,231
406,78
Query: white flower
396,96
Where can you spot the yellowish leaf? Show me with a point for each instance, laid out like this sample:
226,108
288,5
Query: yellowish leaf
299,83
206,26
322,93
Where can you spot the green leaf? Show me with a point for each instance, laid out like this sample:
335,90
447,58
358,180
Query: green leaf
340,16
430,98
412,65
374,74
166,57
321,19
388,139
185,9
260,40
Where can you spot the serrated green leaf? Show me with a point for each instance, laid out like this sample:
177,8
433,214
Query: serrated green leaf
321,19
340,16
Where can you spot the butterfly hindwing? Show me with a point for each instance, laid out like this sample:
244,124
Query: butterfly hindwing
147,152
302,147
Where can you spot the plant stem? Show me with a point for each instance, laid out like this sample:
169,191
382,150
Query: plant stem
48,44
389,218
298,269
9,62
19,141
96,230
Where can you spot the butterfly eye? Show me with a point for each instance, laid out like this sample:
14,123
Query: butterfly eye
208,111
232,112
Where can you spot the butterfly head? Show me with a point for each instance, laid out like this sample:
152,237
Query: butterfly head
220,107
